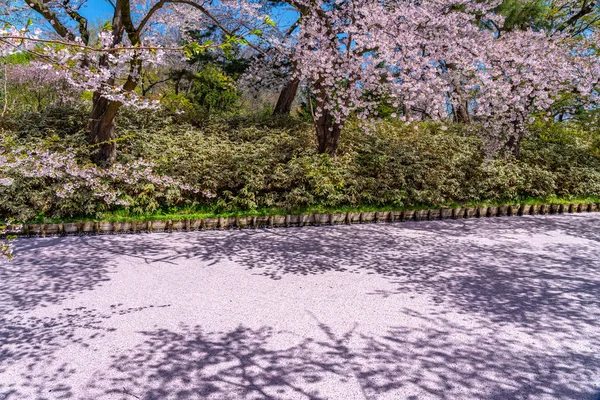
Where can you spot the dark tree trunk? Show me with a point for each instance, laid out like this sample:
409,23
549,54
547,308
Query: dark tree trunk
286,98
104,111
462,113
406,111
328,134
519,131
514,142
514,146
102,130
462,108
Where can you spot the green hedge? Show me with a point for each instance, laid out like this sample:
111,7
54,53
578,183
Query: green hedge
257,163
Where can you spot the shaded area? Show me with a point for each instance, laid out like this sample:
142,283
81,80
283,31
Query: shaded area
485,266
35,340
512,311
50,270
447,362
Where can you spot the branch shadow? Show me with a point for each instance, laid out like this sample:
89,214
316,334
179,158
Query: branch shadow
34,341
49,270
533,272
441,363
536,275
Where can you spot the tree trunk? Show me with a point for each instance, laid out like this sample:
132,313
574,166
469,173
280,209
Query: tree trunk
102,130
328,134
514,145
462,113
406,111
104,111
461,109
286,98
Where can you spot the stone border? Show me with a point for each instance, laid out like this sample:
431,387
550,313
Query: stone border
274,221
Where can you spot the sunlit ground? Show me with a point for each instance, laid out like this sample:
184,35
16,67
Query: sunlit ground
504,308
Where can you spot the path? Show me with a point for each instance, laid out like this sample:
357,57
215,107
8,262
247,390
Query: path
502,308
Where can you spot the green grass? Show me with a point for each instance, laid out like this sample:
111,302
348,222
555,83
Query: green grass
206,212
540,200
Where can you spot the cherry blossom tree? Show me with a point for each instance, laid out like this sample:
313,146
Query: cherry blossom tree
37,84
352,53
139,36
526,72
109,68
434,57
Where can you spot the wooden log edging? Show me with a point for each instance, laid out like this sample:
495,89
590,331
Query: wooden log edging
291,220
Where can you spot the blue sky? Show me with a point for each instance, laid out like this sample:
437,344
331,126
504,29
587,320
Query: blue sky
97,10
101,10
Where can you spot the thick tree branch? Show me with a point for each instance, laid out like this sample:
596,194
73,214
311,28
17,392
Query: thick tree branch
586,8
82,22
41,8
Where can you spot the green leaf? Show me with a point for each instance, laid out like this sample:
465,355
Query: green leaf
269,21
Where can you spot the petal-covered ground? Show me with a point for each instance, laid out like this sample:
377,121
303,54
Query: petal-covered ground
503,308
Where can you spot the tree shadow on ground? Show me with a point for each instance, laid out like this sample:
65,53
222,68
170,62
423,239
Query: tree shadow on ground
50,270
484,266
440,363
538,275
35,341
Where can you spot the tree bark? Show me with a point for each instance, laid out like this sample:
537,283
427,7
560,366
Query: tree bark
514,141
406,111
461,108
462,113
104,111
514,146
102,130
286,98
328,134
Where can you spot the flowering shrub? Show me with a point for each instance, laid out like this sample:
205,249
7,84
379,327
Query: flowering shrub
5,244
255,164
39,180
36,85
244,164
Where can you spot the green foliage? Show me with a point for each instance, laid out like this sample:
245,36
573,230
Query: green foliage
252,164
523,14
16,59
576,16
57,121
257,163
269,21
212,91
